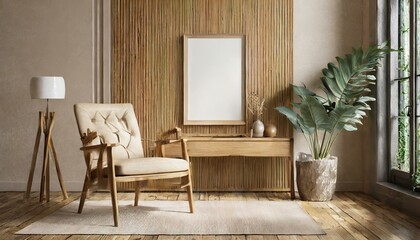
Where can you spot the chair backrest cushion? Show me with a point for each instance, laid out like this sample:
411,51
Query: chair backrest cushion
114,123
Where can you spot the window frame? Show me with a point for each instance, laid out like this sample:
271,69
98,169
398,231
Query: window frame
397,176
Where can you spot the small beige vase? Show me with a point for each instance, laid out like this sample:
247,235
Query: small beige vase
258,128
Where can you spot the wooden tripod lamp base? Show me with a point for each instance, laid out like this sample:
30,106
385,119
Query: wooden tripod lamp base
46,87
45,126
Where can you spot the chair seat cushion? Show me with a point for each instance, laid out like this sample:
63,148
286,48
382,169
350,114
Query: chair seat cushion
140,166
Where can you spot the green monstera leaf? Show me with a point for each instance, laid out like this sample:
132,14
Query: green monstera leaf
295,119
344,118
349,81
346,85
314,114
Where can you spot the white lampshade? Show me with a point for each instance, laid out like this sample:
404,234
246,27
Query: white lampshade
48,87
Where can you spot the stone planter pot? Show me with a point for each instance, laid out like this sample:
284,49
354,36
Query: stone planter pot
316,179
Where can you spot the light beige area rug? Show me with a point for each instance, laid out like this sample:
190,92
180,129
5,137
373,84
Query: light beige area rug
173,218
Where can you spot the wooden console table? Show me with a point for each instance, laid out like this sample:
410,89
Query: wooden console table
237,146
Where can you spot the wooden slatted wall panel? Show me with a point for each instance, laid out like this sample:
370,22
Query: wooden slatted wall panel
147,72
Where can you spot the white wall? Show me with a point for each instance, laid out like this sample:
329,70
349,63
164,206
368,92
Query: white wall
42,37
324,29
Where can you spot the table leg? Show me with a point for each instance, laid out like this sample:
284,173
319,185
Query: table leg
292,171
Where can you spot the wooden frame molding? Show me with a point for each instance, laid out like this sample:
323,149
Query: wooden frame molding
220,94
101,51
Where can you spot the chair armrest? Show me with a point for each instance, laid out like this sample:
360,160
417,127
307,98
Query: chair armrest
102,149
184,150
177,131
182,144
99,146
169,141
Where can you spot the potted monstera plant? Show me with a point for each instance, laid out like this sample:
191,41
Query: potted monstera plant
321,118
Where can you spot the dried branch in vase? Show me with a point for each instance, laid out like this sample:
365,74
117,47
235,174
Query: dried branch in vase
256,105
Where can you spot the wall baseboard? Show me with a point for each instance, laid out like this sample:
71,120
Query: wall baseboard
76,186
11,186
349,186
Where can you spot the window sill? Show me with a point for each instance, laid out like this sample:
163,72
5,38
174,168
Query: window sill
398,197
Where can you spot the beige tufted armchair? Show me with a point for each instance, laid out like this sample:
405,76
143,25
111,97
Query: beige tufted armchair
113,153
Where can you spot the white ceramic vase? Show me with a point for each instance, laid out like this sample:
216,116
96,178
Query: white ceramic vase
258,129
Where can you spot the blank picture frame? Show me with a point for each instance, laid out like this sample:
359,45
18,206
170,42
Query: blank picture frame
214,80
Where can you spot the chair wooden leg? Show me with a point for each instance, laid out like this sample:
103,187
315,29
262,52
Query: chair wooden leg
187,178
113,185
114,197
84,193
190,198
190,194
137,193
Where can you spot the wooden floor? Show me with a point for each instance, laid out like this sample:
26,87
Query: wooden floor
347,216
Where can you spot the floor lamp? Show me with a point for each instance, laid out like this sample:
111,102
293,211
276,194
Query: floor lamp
46,87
